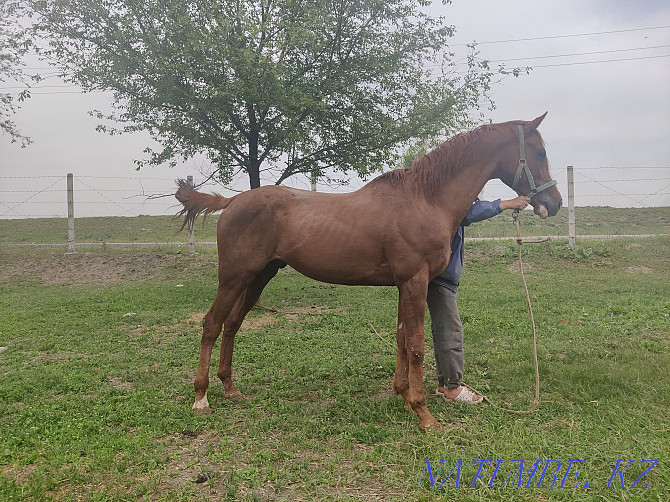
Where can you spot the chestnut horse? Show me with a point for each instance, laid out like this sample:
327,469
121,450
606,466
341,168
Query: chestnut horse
395,231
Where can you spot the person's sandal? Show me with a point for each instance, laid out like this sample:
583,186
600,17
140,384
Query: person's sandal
467,396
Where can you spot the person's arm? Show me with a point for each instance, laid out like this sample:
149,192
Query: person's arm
519,203
483,210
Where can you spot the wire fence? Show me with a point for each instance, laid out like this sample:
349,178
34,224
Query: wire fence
645,186
24,197
45,196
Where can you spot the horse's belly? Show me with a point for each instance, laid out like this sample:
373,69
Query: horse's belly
351,280
351,273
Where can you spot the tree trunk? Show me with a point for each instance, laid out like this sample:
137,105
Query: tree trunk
254,176
254,164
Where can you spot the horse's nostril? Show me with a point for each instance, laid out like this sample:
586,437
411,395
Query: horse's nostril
560,204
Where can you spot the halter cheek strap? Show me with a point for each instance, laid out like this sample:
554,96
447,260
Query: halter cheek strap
523,168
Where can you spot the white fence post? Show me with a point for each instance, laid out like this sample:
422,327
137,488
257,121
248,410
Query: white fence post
70,215
571,207
191,236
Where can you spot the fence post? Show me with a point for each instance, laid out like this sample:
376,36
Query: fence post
571,207
70,215
191,236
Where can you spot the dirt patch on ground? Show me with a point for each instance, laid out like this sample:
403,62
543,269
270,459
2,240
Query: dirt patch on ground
190,465
249,324
192,469
19,474
119,384
293,313
213,467
196,318
88,268
253,321
639,269
256,323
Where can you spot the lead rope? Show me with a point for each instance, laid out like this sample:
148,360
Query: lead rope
536,401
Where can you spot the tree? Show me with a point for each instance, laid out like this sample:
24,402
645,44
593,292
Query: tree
291,86
14,44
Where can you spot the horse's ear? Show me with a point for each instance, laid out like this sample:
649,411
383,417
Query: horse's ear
534,124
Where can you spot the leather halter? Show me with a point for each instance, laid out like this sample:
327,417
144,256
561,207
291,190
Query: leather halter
523,168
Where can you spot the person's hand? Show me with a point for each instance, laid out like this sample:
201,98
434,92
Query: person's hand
519,202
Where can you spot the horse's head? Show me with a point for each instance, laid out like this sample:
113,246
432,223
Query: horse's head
524,167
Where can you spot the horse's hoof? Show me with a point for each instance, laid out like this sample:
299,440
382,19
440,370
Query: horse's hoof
428,423
201,406
430,426
234,396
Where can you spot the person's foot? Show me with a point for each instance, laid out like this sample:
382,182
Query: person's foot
460,394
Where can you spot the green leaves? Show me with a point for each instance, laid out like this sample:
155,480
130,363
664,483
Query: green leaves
14,44
292,87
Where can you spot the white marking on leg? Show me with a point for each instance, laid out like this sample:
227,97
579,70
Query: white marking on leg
202,404
400,326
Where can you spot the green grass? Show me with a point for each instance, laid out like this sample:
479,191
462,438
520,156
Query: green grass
96,383
589,221
102,229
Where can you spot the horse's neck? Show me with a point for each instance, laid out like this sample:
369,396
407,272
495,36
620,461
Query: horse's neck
457,195
480,161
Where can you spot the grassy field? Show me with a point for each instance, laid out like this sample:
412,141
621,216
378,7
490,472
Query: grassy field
590,221
96,380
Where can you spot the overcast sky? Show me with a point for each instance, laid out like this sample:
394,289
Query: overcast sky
600,68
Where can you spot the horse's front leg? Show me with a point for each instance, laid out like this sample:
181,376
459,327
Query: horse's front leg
401,377
412,301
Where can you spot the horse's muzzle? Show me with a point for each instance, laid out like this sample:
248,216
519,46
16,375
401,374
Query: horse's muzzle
545,207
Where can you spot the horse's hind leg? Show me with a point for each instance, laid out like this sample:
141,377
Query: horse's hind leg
232,324
224,301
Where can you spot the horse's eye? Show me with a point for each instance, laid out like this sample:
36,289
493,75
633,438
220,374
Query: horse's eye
542,154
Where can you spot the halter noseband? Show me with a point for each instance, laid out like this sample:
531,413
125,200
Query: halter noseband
523,167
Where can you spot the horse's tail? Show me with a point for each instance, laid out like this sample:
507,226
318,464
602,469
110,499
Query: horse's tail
196,203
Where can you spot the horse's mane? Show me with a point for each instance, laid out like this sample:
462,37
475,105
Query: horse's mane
430,171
